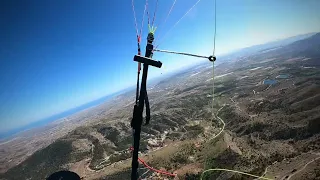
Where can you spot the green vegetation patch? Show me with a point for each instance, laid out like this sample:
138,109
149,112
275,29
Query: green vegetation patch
110,133
98,154
119,157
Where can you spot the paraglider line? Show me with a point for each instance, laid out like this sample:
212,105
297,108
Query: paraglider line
229,170
176,23
174,2
154,14
144,12
135,19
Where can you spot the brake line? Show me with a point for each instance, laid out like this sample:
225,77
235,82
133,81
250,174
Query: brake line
153,169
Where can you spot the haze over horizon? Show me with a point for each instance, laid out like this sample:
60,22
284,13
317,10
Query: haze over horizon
59,55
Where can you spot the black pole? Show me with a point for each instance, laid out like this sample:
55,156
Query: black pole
138,110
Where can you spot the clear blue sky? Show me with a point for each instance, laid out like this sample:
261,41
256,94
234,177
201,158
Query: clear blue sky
58,54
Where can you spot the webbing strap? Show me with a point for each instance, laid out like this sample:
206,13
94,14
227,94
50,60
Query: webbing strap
147,109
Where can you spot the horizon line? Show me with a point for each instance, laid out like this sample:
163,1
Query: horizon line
120,91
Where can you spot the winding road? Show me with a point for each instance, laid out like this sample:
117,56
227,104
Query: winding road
301,169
